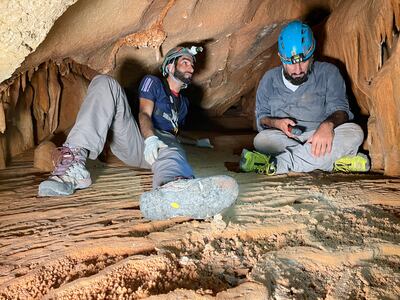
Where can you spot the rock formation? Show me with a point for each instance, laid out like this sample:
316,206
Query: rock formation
41,97
368,47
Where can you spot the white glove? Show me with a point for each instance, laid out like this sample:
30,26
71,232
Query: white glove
151,147
204,143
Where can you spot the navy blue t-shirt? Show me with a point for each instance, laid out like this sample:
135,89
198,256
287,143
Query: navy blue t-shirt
151,87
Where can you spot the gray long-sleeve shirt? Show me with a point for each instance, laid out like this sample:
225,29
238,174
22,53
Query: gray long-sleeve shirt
320,96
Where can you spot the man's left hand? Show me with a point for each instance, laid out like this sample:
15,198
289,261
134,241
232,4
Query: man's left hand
321,140
152,145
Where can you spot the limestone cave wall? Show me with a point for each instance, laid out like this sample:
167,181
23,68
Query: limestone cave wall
45,69
363,36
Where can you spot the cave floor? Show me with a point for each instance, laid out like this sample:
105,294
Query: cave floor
297,236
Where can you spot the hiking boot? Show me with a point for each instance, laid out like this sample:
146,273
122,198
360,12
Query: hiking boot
352,163
199,198
69,173
257,162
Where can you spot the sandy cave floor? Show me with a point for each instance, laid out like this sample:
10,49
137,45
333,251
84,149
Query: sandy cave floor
307,236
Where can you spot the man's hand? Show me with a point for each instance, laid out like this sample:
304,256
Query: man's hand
283,125
321,140
151,147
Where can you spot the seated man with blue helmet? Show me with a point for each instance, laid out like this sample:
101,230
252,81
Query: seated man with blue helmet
155,145
302,114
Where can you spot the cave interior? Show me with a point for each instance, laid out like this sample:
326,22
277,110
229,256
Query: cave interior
51,52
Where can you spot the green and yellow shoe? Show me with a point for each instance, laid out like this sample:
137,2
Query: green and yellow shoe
352,163
253,161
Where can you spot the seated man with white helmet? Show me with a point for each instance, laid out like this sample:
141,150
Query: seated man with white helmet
155,145
303,114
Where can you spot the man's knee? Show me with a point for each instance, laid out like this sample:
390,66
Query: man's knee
350,133
270,141
260,141
358,133
107,90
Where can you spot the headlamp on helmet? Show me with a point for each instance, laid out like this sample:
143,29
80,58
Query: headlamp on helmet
195,50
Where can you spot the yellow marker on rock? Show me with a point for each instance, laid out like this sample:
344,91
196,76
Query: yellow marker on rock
175,205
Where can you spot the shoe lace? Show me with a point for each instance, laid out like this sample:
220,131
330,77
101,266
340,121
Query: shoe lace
63,158
341,167
267,169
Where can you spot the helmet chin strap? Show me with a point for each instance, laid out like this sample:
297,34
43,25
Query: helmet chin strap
180,82
183,85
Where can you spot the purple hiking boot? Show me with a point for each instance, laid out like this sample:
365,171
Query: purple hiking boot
69,173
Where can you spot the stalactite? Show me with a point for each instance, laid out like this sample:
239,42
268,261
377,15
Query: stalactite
3,127
15,119
41,101
30,73
28,96
23,123
2,118
14,91
23,81
37,94
63,68
54,92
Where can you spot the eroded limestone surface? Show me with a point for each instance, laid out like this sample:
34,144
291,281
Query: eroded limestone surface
314,236
24,25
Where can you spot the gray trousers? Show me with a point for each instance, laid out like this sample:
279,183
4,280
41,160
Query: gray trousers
106,112
295,154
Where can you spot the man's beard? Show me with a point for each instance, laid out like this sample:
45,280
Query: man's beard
298,80
181,77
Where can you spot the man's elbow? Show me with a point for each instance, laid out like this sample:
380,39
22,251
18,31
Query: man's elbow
144,114
343,115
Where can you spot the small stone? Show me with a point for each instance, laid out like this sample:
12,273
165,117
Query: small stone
43,156
184,260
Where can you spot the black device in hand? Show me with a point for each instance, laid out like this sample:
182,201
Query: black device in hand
295,130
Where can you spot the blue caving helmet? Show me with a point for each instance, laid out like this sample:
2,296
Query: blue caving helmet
177,52
296,43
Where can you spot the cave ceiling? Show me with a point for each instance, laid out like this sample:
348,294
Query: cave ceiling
127,39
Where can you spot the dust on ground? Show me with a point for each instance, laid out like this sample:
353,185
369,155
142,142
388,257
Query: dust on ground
305,236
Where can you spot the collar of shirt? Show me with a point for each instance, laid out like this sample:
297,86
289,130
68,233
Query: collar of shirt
288,84
174,93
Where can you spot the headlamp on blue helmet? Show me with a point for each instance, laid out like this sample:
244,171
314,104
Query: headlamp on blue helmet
296,43
177,52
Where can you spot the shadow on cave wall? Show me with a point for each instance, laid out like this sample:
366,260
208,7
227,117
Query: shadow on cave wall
129,76
317,18
132,72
